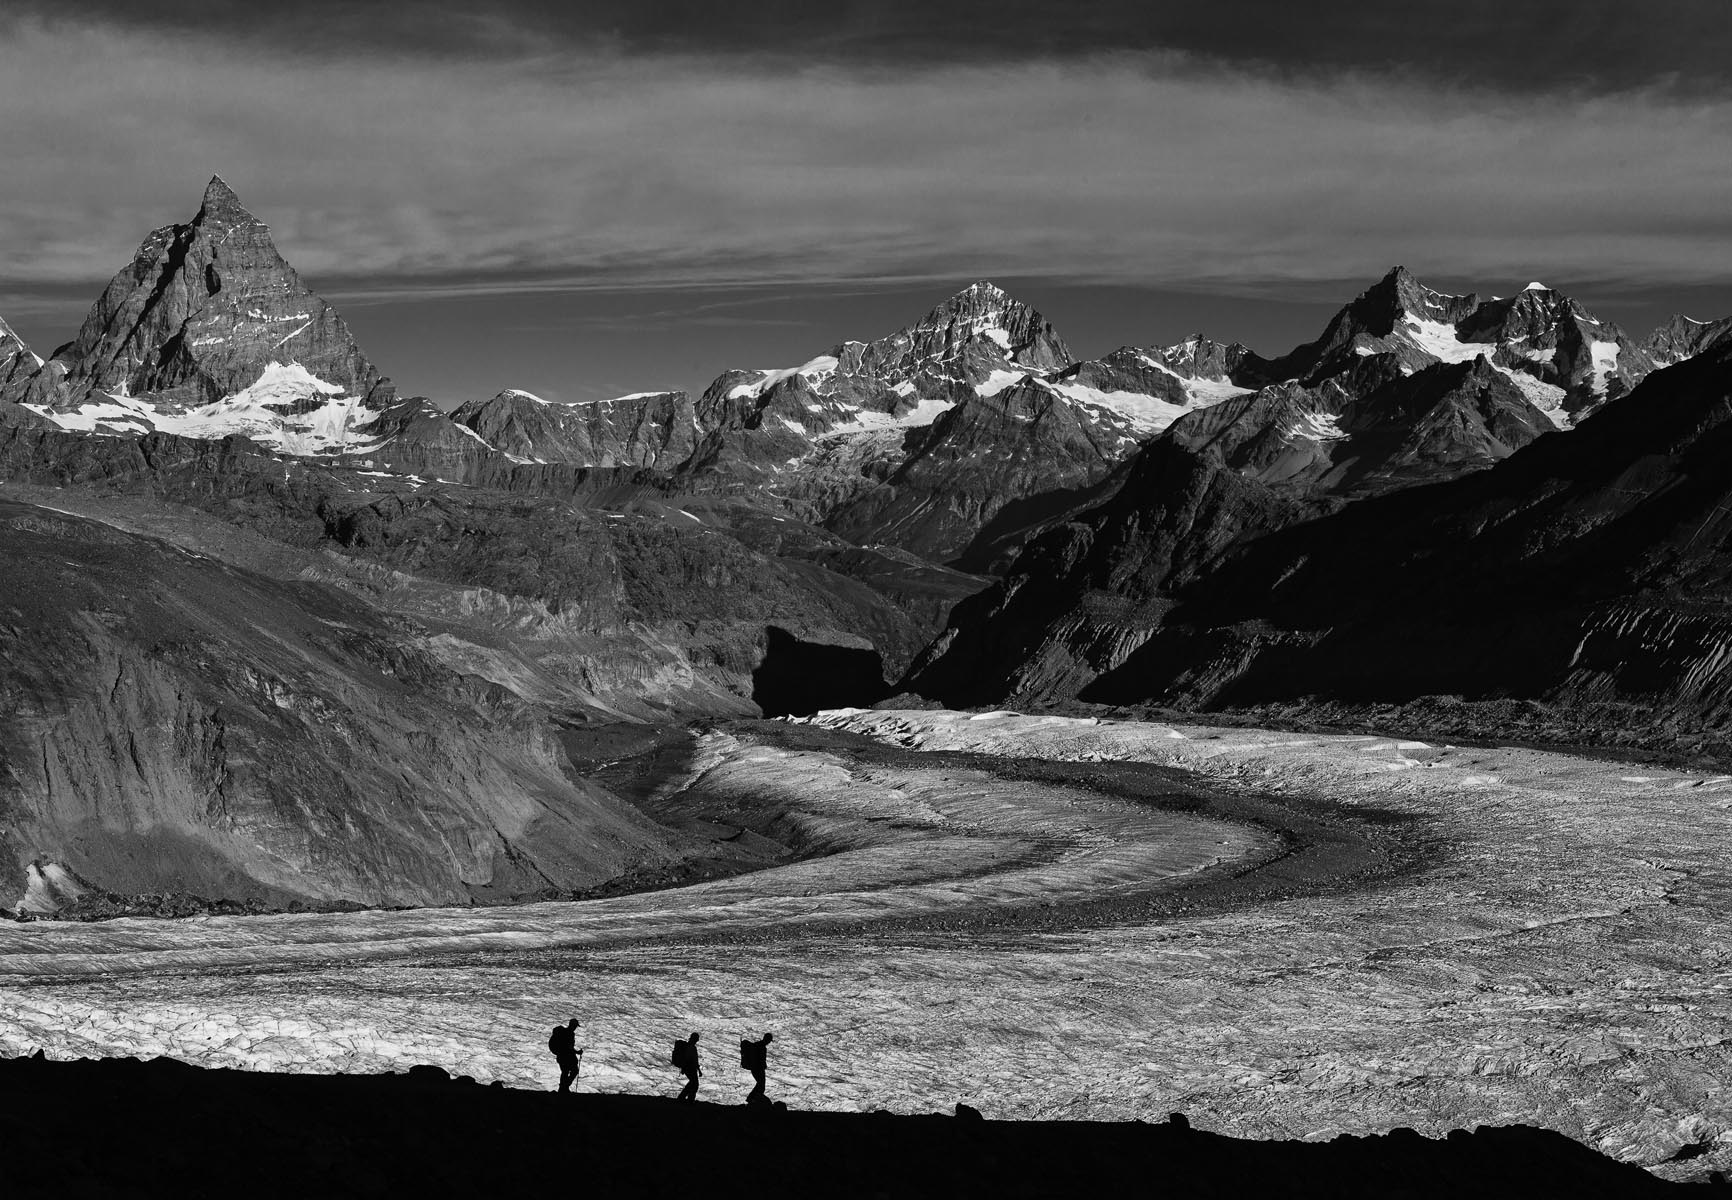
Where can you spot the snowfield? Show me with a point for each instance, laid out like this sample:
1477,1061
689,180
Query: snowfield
338,424
1562,960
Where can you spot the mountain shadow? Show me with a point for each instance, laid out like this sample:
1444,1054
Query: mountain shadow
798,677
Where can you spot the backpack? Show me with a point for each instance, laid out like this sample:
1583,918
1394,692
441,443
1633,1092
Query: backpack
683,1055
746,1054
559,1041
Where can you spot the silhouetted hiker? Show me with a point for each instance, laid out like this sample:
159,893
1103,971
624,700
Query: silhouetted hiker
563,1043
686,1059
754,1057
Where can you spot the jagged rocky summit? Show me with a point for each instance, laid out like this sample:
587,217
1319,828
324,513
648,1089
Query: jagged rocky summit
209,333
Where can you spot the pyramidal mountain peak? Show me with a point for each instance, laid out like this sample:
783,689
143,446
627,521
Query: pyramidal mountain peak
220,200
208,333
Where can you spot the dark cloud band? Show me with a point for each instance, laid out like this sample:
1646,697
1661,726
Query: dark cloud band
1526,46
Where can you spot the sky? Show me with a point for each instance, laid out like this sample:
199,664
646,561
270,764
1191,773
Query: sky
589,198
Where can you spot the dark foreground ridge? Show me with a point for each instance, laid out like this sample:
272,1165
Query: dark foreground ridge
115,1127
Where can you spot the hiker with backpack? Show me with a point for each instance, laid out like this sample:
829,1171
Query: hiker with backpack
685,1057
754,1056
562,1043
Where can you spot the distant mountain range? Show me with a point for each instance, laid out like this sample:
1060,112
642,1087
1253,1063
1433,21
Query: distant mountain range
286,593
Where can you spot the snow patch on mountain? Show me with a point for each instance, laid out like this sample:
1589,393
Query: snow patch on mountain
1439,340
1605,357
865,420
1319,427
1547,397
282,383
1148,415
998,381
823,365
263,412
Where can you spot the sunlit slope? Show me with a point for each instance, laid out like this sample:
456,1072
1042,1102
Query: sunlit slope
171,723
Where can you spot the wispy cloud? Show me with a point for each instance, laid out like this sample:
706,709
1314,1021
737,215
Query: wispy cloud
564,170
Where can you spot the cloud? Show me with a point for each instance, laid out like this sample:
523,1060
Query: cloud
1534,45
572,169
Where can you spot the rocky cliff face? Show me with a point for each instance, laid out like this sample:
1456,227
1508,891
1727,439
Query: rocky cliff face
172,723
650,429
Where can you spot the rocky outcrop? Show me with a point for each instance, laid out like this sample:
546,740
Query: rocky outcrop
170,723
650,429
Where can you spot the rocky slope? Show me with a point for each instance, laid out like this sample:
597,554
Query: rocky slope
171,723
1079,599
608,596
649,429
1584,578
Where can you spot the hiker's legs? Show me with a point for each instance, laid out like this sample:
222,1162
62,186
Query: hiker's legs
567,1073
690,1091
757,1092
